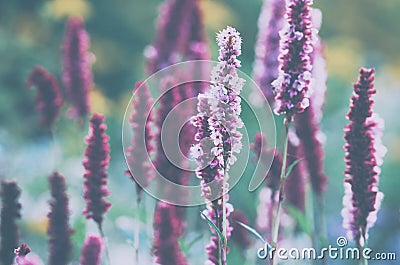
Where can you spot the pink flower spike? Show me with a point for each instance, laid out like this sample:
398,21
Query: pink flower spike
58,231
91,251
362,197
173,31
97,156
142,147
218,139
266,64
197,47
77,73
10,213
167,230
296,47
48,97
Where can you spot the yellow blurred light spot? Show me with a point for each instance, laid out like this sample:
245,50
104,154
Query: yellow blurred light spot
99,103
343,58
38,226
216,14
393,70
105,60
30,29
395,144
68,8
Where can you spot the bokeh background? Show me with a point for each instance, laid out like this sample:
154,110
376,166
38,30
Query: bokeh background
356,33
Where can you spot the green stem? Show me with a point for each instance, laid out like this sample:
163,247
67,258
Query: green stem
271,215
136,232
318,224
365,261
224,228
106,250
361,247
275,227
215,206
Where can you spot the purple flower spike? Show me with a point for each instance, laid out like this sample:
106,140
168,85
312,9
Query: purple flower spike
172,34
319,82
77,73
260,149
362,198
10,213
59,231
311,143
217,123
180,34
307,122
296,47
97,156
137,155
165,164
48,97
217,138
91,251
266,64
167,229
196,48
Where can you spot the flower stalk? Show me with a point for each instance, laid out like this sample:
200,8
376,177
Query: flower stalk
218,138
292,84
277,218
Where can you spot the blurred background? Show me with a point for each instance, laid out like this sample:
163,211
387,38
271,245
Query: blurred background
356,33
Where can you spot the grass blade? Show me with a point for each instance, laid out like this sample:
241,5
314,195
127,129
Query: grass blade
291,167
252,231
301,219
211,223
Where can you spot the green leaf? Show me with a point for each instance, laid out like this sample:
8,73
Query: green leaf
291,167
253,231
301,219
211,223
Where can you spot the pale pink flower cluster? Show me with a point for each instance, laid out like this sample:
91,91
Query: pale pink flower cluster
217,138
